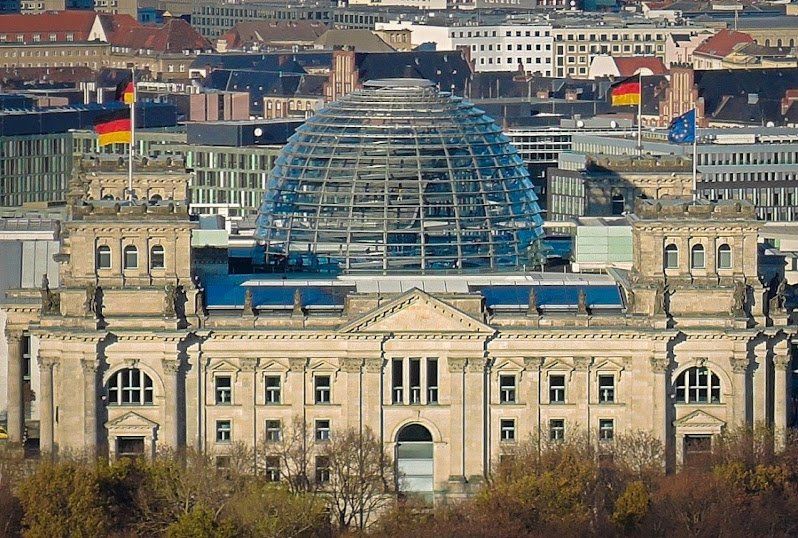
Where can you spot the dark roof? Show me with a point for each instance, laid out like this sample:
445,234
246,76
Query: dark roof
745,95
294,62
449,70
260,84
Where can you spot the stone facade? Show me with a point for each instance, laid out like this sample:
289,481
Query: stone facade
479,381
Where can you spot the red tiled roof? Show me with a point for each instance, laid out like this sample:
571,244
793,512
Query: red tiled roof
629,66
176,35
52,21
722,44
76,24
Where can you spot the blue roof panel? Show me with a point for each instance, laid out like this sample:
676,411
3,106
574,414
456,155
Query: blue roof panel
607,296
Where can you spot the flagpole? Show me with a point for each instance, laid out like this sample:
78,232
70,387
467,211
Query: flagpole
132,136
695,154
639,114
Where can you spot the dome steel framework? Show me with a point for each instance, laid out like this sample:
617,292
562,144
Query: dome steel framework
399,177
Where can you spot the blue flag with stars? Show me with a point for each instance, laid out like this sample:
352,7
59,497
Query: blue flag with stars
682,129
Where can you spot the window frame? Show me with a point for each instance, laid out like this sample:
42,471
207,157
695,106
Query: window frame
606,431
120,383
160,255
320,390
102,252
217,390
698,250
273,429
670,249
603,390
690,389
271,390
322,430
726,249
322,472
507,433
557,430
130,250
557,390
223,431
508,393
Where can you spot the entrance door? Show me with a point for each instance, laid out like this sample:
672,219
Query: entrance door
414,463
697,450
129,447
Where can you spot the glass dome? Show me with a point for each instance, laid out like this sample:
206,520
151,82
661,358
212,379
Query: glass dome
398,177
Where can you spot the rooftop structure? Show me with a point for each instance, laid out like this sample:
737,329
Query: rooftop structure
399,176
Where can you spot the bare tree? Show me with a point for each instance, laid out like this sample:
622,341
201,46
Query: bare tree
291,456
640,453
361,477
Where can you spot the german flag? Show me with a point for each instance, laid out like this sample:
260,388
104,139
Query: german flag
113,127
626,92
125,92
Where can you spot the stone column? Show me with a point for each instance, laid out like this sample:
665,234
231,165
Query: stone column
457,420
530,394
760,391
373,396
660,366
16,405
740,369
295,388
475,419
581,387
781,366
351,403
46,432
247,395
171,369
89,367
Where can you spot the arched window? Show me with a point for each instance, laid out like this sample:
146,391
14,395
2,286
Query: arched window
103,257
131,257
697,385
156,257
697,257
724,257
671,256
618,204
130,386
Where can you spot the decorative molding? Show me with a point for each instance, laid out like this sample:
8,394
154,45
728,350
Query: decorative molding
351,366
248,364
582,363
781,362
533,363
297,365
659,364
374,366
455,365
476,365
89,366
170,366
739,365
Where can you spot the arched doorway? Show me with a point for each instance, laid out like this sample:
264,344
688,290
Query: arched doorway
414,460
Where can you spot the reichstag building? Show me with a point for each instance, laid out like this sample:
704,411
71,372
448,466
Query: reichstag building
390,290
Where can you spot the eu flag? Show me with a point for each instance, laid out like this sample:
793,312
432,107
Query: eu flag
682,129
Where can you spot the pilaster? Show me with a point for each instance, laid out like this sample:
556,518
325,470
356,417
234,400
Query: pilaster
171,370
14,371
781,388
46,414
475,437
457,419
89,367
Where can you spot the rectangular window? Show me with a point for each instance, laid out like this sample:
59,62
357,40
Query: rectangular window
557,429
606,429
606,388
322,469
272,468
272,389
224,390
397,381
432,381
415,381
507,430
273,431
507,389
322,389
224,431
322,430
557,389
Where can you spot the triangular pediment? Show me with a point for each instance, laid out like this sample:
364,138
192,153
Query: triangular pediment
700,420
131,421
417,312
